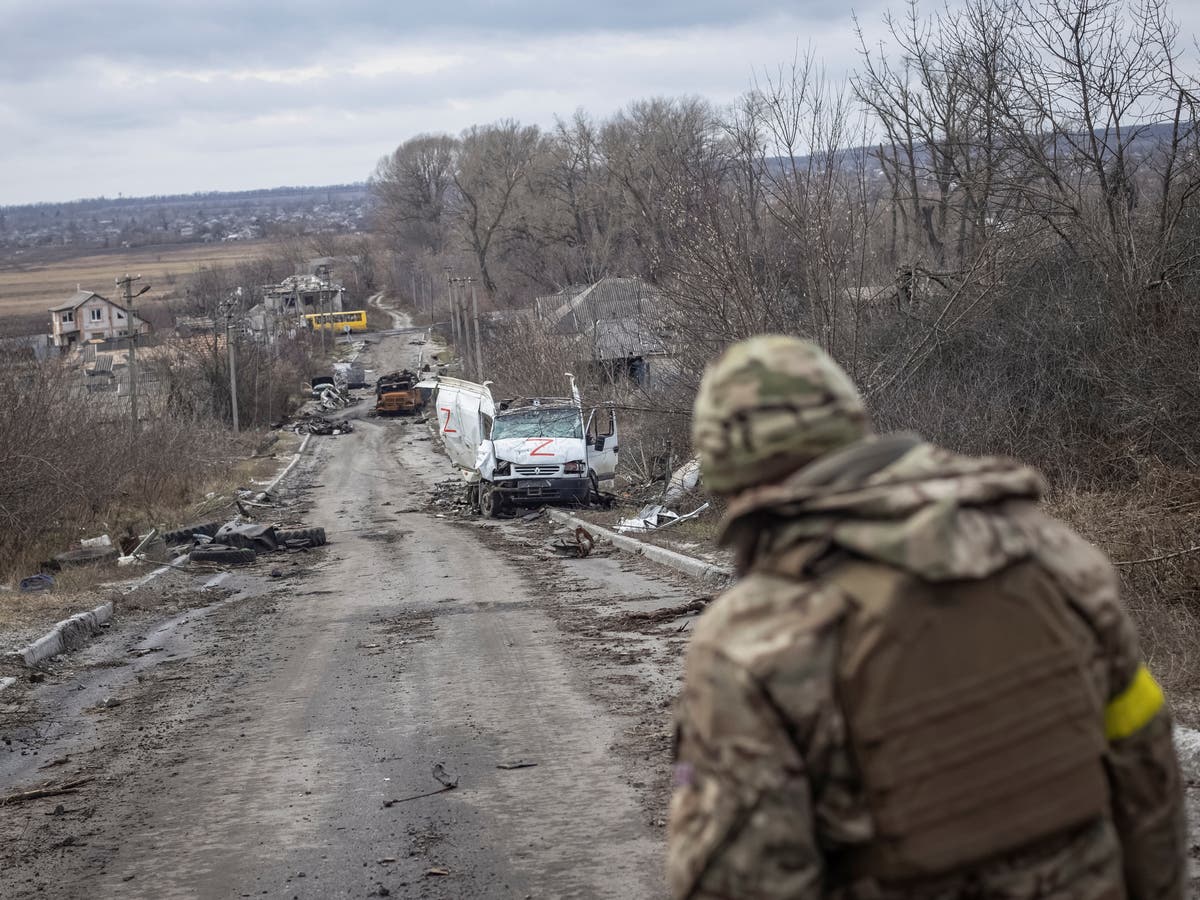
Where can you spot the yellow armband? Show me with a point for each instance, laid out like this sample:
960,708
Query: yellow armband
1134,708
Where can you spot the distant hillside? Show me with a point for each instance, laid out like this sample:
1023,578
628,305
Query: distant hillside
185,218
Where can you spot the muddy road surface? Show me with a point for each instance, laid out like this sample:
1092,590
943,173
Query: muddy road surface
429,706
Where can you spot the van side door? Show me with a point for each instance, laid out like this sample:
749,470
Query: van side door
602,448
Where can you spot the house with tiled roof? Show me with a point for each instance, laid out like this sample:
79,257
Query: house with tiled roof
89,317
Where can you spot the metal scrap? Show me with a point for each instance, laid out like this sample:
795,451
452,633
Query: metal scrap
319,425
248,535
578,543
654,517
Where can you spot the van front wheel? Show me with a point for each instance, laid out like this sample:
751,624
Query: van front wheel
491,502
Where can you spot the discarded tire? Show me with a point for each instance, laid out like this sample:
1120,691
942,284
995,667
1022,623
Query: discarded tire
184,535
85,556
226,556
314,536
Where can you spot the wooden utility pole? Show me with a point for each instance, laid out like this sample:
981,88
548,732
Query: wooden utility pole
126,284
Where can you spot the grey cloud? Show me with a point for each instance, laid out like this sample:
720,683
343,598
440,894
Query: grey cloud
78,130
228,31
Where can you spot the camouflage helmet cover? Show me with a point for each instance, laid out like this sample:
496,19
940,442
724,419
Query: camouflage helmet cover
768,406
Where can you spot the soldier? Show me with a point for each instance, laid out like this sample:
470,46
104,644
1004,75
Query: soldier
922,686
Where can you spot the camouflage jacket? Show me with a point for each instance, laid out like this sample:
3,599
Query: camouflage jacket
766,790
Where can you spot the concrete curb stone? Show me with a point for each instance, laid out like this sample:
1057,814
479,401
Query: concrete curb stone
69,634
688,565
1187,740
75,632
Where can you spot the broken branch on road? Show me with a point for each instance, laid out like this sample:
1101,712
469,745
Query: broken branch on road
49,790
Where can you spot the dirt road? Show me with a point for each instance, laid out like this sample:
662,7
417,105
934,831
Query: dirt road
295,736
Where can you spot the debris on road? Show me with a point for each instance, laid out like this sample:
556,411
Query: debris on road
396,394
227,556
666,614
683,481
437,871
321,426
85,556
447,782
39,582
239,541
578,543
247,535
519,764
48,790
654,517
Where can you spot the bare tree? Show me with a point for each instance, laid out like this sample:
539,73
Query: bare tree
491,178
414,192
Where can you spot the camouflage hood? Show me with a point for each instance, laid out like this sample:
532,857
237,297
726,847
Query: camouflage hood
898,500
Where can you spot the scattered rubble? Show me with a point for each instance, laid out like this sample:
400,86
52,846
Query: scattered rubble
39,582
666,614
239,541
577,543
653,517
683,481
319,425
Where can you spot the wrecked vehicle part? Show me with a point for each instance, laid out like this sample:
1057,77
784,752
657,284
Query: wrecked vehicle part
396,394
320,384
187,534
250,535
578,543
319,425
683,481
655,517
315,537
491,502
227,556
533,450
85,556
648,518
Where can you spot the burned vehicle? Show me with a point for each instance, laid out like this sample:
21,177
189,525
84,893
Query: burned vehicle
396,394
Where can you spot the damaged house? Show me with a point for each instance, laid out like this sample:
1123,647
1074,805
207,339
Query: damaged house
618,325
89,317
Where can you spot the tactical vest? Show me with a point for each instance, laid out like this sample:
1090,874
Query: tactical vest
972,720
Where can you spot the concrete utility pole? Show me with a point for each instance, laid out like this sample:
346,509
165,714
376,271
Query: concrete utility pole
233,301
126,284
453,309
478,349
462,324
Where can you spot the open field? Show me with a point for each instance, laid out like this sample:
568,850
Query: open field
32,281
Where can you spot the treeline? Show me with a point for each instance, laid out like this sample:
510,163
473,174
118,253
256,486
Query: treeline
994,223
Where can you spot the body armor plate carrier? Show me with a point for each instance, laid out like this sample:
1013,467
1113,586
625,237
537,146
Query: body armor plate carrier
972,719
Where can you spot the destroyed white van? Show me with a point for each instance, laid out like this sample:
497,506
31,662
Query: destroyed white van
526,451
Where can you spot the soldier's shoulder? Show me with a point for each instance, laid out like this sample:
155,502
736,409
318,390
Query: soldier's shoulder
1082,569
765,617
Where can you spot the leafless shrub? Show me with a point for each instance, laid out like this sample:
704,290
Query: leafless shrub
72,463
1136,527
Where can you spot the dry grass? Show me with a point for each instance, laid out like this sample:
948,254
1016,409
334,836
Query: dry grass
1157,516
32,281
78,589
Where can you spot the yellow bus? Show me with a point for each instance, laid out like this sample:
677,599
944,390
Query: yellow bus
351,320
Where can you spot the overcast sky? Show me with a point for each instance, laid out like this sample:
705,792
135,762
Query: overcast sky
134,97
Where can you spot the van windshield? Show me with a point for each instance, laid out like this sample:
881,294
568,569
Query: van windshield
538,423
